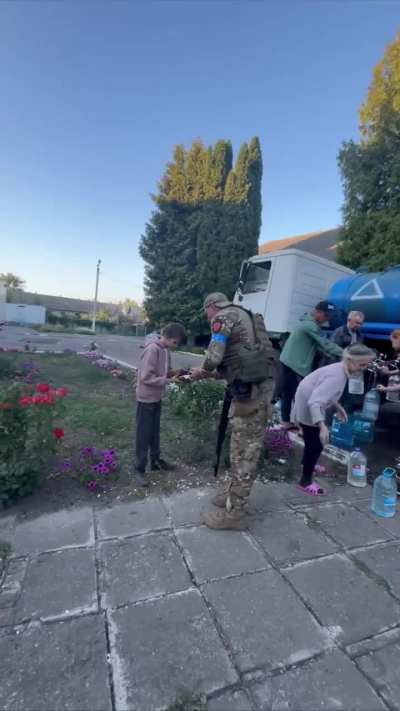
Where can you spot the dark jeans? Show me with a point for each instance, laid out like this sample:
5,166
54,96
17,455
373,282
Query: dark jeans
148,416
312,452
289,383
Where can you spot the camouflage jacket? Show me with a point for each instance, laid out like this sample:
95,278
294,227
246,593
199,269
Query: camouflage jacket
231,329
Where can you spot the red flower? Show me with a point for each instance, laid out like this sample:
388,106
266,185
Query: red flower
25,401
36,399
43,388
58,433
62,392
5,406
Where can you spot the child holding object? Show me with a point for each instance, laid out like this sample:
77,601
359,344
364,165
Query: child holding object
154,373
317,392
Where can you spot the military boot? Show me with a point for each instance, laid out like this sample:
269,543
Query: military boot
220,497
224,520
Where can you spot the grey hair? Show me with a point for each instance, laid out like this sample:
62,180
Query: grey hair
353,314
358,352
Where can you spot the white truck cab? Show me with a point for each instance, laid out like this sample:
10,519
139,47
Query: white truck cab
285,284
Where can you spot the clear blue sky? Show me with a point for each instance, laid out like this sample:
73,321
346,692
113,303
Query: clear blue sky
94,95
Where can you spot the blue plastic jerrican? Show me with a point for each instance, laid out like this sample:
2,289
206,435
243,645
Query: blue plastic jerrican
371,405
363,430
353,433
342,434
384,494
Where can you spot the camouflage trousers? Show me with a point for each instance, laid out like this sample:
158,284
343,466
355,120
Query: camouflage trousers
249,419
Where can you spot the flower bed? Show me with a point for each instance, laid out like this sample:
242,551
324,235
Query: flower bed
28,435
99,361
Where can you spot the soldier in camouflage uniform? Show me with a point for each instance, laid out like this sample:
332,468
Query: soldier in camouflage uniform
232,329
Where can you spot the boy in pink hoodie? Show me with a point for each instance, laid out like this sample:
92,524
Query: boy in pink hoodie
153,375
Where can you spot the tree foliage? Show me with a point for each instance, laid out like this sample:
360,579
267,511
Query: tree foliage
371,174
12,280
207,220
380,113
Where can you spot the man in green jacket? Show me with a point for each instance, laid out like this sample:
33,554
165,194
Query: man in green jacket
299,352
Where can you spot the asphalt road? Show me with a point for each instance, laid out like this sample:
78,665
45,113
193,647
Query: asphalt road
123,348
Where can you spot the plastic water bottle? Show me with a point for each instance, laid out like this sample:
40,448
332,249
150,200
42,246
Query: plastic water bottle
356,385
371,405
357,468
384,495
393,396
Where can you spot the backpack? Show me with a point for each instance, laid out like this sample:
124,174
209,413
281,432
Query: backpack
255,362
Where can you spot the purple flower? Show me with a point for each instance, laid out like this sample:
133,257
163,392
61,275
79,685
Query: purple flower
88,451
113,465
92,485
67,465
103,469
96,468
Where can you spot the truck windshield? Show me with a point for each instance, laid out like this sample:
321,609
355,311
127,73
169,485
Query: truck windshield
254,277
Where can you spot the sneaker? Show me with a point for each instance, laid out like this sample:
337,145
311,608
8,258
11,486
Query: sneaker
141,478
162,465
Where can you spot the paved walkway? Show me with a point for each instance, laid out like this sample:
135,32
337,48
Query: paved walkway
130,606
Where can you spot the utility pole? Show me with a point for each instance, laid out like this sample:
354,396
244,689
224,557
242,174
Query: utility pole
95,296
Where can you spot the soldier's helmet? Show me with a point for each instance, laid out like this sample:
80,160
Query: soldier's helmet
216,299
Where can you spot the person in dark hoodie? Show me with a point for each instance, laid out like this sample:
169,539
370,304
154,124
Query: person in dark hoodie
154,373
298,355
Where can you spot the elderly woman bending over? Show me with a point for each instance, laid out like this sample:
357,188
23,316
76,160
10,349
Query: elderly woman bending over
316,393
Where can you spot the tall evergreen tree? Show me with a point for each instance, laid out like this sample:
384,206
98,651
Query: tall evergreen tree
219,164
254,173
173,184
207,220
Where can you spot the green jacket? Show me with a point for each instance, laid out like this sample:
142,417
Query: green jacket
303,343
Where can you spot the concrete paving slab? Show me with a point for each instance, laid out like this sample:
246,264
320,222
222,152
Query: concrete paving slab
63,529
351,494
188,507
203,548
59,584
344,598
230,701
384,561
271,495
140,568
7,615
382,668
164,648
264,622
289,537
60,666
347,525
329,683
390,525
372,644
131,519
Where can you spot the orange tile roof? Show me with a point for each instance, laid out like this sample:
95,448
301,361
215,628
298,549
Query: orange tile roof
285,242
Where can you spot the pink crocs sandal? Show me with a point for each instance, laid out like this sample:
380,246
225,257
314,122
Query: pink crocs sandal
312,489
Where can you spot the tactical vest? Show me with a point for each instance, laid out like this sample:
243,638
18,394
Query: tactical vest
249,352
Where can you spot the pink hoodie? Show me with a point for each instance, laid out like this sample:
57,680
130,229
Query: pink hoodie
152,372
